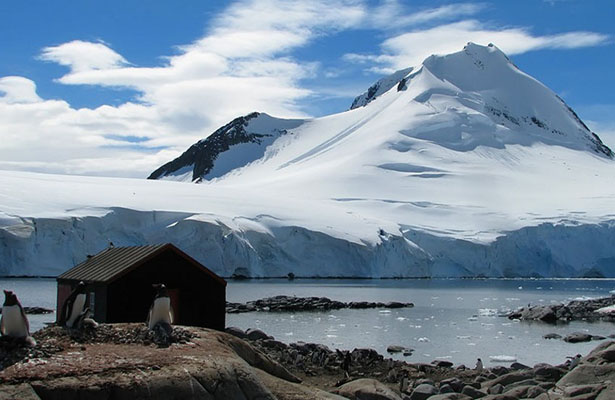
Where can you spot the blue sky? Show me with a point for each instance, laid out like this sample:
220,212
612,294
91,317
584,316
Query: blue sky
119,87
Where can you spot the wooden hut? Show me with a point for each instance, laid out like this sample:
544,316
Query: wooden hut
119,284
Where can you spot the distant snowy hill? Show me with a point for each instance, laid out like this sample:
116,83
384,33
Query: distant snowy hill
462,166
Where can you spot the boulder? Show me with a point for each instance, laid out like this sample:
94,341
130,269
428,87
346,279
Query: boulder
455,383
573,391
512,377
23,391
473,392
500,370
552,336
548,373
367,389
495,389
237,332
578,337
502,396
526,391
256,334
395,349
518,366
450,396
442,363
446,389
423,392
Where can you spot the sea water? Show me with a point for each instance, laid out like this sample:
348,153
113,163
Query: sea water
453,319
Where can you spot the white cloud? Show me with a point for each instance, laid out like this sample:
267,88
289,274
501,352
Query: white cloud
16,89
391,14
244,62
83,56
412,48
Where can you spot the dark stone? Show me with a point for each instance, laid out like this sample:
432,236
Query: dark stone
256,334
446,389
423,392
578,337
499,370
518,366
552,336
237,332
473,392
548,373
496,389
455,383
395,349
442,363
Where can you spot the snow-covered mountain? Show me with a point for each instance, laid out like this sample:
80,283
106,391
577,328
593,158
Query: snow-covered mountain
462,166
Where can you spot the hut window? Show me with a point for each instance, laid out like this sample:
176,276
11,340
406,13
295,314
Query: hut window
92,301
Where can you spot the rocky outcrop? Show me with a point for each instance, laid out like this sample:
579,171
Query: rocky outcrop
367,389
211,365
295,304
575,310
200,157
121,362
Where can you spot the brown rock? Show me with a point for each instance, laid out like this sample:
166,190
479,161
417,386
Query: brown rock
367,389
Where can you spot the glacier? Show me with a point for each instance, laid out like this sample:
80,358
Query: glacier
462,166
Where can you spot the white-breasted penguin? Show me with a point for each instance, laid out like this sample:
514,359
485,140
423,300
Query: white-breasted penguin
479,365
73,306
160,311
14,322
574,361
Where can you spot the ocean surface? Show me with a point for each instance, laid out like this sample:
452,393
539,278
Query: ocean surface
453,319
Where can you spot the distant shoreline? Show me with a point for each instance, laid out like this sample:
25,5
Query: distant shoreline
358,278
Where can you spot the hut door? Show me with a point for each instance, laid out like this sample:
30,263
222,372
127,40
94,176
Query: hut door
174,297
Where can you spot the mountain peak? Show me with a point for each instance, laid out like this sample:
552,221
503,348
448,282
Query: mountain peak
482,80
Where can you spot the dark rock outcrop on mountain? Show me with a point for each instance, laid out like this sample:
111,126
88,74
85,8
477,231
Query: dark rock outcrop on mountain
201,155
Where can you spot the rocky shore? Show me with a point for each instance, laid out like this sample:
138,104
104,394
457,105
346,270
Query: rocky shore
296,304
35,310
372,376
124,361
587,310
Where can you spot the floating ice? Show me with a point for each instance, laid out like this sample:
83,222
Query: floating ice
487,312
472,319
606,310
423,340
503,358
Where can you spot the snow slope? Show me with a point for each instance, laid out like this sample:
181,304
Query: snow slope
464,166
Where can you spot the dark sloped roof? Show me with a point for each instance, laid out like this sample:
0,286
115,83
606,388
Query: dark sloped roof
110,264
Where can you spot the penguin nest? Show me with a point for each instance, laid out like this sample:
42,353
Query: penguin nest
116,334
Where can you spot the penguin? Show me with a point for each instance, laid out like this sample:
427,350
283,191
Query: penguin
160,311
73,306
479,365
14,322
574,361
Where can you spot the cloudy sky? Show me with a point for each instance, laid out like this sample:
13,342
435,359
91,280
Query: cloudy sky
117,88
